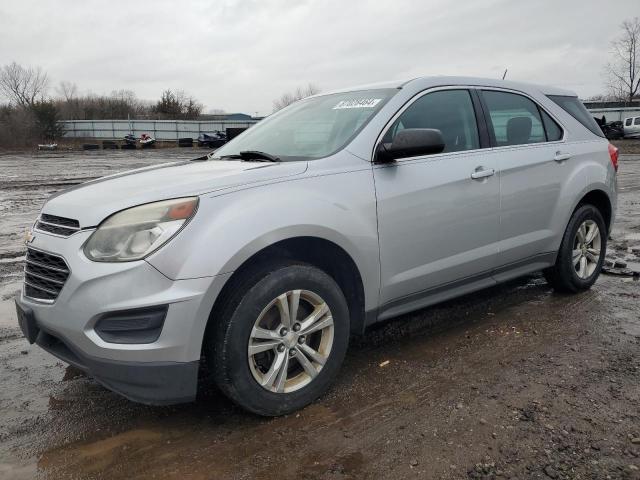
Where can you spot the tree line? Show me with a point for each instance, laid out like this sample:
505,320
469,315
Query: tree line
31,111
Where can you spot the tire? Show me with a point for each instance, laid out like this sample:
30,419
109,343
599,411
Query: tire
567,276
259,298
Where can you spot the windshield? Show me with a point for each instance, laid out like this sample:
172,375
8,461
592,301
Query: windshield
311,128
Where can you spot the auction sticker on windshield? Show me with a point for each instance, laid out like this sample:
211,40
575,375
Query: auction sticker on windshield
357,103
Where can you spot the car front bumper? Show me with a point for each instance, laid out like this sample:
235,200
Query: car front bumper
163,371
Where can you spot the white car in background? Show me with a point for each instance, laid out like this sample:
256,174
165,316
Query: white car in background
632,127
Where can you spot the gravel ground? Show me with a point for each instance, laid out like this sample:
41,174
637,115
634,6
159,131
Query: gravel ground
511,382
628,146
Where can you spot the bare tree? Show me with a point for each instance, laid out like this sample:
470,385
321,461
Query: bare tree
126,97
67,90
23,86
624,70
291,97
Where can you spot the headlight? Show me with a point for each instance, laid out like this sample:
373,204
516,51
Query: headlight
134,233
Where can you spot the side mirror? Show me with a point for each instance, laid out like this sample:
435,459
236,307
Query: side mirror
411,142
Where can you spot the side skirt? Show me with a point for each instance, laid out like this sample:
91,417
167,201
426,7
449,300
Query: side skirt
457,288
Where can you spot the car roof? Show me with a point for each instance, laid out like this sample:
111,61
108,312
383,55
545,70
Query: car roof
442,80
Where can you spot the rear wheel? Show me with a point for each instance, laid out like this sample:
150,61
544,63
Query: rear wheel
281,339
581,253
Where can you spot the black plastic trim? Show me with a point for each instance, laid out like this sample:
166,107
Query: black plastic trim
481,119
424,298
134,326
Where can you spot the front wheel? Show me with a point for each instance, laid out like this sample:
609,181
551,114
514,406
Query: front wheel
581,253
280,342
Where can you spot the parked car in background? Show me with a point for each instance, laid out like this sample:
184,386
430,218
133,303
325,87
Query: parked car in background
212,140
342,210
632,127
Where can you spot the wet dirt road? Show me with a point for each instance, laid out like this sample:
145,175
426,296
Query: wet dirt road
511,382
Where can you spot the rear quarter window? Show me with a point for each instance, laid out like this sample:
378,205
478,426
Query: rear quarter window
554,132
628,121
574,107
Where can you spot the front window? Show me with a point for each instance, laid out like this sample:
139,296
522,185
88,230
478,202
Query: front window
312,128
450,111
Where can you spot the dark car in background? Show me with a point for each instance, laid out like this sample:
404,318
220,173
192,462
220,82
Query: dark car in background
212,140
611,130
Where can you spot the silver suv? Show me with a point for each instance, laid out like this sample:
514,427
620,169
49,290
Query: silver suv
340,211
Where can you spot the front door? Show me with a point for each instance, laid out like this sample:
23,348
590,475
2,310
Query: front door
438,215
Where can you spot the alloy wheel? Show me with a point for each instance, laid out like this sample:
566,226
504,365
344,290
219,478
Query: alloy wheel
291,341
587,246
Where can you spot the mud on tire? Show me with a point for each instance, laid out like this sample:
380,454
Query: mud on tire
238,374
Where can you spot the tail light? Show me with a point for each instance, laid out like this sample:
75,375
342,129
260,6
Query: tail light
613,153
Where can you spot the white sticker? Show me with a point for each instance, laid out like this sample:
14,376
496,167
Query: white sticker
357,103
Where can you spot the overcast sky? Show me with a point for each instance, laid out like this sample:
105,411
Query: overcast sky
240,55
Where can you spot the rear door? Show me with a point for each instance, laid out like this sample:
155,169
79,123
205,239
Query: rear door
532,160
438,226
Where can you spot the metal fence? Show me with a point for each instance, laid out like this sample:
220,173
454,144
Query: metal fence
615,114
175,129
160,129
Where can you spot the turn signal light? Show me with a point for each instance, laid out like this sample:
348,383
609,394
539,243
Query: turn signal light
182,211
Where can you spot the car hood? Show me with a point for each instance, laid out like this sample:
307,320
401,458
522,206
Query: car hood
93,201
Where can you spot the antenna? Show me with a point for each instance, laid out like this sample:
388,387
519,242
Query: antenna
505,73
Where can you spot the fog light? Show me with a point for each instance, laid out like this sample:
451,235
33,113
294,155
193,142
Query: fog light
140,325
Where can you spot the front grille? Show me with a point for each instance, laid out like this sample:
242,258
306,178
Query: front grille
57,225
44,275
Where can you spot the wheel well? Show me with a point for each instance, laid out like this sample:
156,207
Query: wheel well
600,200
321,253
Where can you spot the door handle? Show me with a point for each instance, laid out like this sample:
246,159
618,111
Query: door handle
561,157
481,172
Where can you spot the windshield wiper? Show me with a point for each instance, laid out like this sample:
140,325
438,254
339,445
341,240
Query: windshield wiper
258,155
254,155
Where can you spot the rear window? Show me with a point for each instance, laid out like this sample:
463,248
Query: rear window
515,119
574,107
